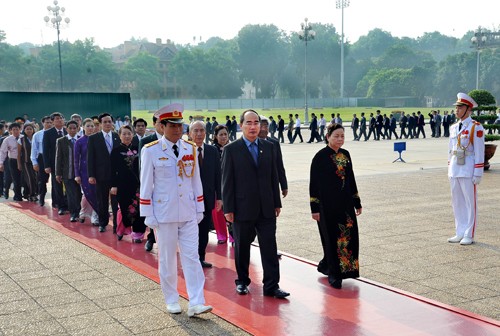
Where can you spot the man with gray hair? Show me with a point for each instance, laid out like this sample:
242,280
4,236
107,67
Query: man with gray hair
78,118
210,174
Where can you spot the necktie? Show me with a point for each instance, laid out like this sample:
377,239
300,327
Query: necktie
59,134
253,151
73,141
459,127
200,156
176,152
108,142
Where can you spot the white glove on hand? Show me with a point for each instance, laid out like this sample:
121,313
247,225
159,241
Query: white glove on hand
151,222
199,217
476,179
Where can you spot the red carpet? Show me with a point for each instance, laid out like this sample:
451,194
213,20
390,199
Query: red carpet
362,307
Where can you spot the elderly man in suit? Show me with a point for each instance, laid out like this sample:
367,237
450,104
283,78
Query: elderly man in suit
49,158
251,198
210,171
65,169
150,241
99,150
172,201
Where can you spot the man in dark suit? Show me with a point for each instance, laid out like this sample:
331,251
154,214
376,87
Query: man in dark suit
99,150
313,127
208,130
420,124
252,202
263,134
65,169
392,127
210,173
355,126
49,158
362,126
140,126
150,241
380,124
281,129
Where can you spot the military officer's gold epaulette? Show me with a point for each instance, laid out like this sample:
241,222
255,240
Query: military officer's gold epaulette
151,143
476,122
190,142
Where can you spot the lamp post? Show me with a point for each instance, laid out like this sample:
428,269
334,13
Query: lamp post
342,4
306,34
55,20
483,39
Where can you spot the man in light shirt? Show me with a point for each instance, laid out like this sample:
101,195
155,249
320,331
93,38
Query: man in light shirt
37,160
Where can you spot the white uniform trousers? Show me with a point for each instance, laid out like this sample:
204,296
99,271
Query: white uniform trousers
184,235
463,199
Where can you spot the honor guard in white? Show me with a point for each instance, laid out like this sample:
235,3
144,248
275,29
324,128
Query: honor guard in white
465,168
171,199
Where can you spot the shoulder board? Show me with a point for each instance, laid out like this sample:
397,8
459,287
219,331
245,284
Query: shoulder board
477,122
190,142
152,143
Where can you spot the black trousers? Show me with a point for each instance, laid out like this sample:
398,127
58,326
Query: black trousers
362,131
73,196
58,196
403,133
244,234
370,132
102,195
16,178
297,133
203,230
7,178
280,137
42,177
379,132
420,128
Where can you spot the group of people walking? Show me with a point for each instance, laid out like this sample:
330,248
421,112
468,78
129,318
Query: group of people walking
183,188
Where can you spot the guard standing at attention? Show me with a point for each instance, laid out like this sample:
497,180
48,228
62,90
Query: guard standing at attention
171,199
465,168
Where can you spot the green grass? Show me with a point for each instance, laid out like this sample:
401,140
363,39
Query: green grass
345,112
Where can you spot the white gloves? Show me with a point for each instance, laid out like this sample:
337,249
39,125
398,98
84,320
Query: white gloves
476,179
199,217
151,222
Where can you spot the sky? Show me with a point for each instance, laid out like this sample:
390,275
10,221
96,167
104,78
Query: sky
111,23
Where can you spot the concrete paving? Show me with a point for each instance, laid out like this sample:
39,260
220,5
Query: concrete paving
51,284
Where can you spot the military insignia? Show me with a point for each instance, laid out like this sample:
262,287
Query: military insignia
188,157
151,143
477,122
480,133
163,158
190,142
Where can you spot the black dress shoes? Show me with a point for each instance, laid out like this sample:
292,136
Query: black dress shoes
205,264
148,246
242,289
335,283
102,229
277,293
61,212
322,267
73,219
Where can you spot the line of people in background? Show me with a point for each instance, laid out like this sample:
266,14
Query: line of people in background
411,125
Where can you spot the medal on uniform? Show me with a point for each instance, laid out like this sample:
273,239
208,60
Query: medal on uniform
186,161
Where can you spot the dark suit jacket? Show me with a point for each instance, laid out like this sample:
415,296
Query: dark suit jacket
280,167
144,141
49,147
98,157
281,125
211,176
135,141
249,191
64,159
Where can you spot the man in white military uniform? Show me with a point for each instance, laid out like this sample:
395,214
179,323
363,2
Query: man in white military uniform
465,168
171,199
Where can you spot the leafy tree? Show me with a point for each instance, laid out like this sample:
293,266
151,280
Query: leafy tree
262,57
141,71
401,56
437,44
14,69
210,73
372,45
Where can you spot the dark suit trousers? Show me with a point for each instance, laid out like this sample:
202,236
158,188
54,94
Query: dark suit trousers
16,178
42,177
7,177
58,196
280,137
102,195
244,234
74,196
203,230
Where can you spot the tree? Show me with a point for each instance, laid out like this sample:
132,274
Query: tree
141,71
210,73
262,57
14,69
372,45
